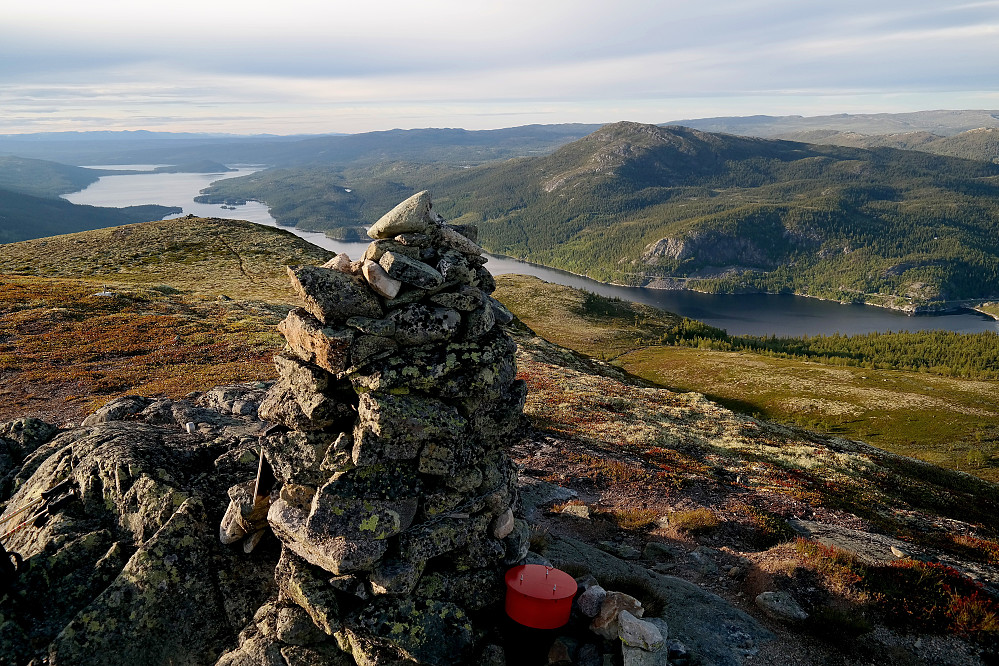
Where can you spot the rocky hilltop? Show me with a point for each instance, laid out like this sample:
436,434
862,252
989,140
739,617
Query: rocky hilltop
417,442
370,513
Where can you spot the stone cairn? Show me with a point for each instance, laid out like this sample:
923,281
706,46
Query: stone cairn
392,495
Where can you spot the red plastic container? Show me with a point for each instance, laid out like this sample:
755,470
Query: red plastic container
539,596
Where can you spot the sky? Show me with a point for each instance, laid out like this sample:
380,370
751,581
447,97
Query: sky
318,66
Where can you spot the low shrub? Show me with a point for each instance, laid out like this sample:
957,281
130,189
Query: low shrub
696,521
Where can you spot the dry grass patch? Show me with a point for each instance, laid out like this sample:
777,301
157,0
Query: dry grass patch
694,521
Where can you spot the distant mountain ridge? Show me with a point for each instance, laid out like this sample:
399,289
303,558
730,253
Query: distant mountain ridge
940,122
416,145
975,144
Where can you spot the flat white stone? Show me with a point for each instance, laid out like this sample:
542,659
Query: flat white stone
379,280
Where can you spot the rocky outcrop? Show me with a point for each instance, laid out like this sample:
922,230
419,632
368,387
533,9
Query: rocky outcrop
707,248
126,570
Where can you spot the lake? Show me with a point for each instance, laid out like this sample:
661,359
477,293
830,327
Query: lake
743,314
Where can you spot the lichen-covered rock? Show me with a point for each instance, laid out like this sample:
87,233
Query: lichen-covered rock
479,321
118,409
432,632
333,297
306,585
396,426
28,433
421,325
309,340
396,576
145,615
358,517
411,271
472,589
453,267
334,553
297,456
465,299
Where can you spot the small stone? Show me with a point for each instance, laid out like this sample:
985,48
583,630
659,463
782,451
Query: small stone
734,572
379,247
370,347
562,651
305,585
781,606
591,600
659,552
340,262
503,316
410,216
411,271
295,627
396,576
621,550
469,231
451,238
465,299
454,268
370,326
606,624
379,280
503,524
335,554
634,632
484,280
418,325
576,510
413,240
518,542
480,321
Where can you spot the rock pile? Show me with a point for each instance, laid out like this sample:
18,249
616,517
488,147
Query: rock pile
393,496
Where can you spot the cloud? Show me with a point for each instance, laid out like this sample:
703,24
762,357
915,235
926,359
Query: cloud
288,61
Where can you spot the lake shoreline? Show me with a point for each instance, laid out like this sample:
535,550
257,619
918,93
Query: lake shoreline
758,314
941,309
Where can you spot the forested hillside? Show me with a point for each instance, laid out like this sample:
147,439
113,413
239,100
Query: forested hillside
23,217
41,178
672,207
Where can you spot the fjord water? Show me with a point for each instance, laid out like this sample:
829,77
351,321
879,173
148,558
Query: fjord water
742,314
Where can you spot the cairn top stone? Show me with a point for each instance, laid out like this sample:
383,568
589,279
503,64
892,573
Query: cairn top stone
410,216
